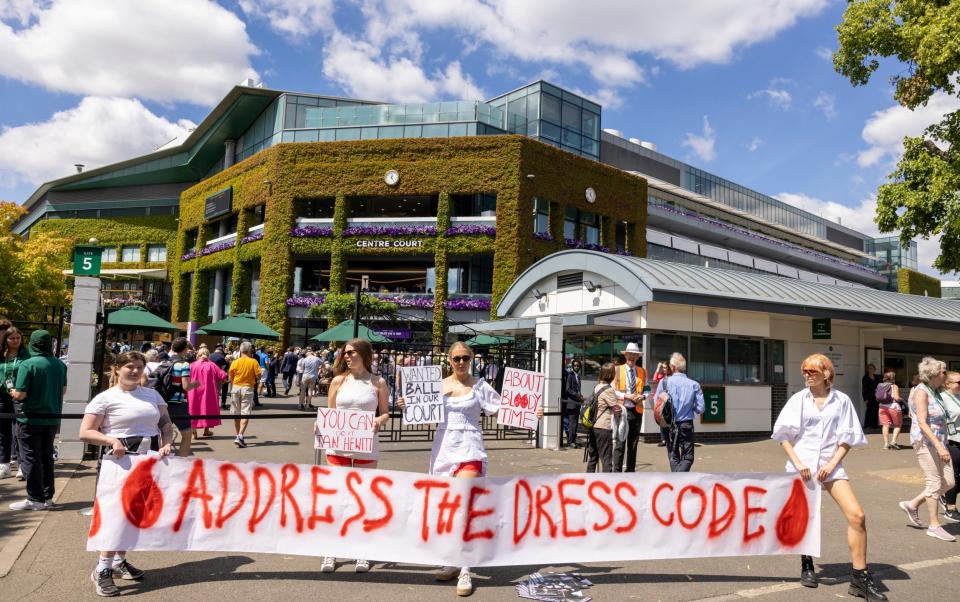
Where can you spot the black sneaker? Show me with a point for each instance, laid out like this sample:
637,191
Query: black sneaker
808,573
952,515
104,583
125,570
863,586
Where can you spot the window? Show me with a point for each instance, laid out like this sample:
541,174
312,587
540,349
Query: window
315,208
590,223
131,253
706,359
774,369
743,361
550,108
570,223
393,206
472,276
620,235
109,255
541,216
190,240
663,345
156,253
474,205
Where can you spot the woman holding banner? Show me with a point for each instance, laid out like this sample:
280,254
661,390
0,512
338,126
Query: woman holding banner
355,387
816,429
126,418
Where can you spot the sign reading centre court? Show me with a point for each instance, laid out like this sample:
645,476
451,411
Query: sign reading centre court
218,203
389,244
86,261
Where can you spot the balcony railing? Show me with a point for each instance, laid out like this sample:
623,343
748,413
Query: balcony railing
215,241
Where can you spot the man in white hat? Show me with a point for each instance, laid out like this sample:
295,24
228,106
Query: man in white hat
628,382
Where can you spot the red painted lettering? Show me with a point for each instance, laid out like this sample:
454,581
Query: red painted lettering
653,506
371,524
95,523
427,485
603,505
521,484
258,474
544,493
569,501
351,477
141,498
629,507
473,514
225,470
749,510
446,512
719,524
196,488
289,475
703,506
317,490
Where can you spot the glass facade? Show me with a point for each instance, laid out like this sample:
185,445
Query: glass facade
891,256
722,360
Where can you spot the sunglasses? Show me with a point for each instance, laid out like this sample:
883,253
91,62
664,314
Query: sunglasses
810,372
460,358
350,353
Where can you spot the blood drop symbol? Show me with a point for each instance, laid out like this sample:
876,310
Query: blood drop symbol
142,498
95,523
793,519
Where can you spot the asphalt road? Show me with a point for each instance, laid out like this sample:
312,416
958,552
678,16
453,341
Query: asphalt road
55,566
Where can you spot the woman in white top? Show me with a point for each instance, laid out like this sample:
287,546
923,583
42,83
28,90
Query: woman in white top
355,387
126,418
816,429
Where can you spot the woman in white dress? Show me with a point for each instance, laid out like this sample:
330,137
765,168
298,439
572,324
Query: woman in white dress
355,387
816,429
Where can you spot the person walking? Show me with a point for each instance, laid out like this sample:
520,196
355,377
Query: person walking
219,357
176,394
311,372
888,409
12,355
244,375
39,387
628,382
951,402
203,399
126,418
273,366
816,429
356,387
928,434
663,370
600,436
687,398
572,401
288,369
868,390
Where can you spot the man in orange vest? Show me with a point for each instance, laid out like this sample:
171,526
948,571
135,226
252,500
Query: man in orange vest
628,382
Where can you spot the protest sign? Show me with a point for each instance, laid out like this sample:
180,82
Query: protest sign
344,430
422,391
520,397
152,503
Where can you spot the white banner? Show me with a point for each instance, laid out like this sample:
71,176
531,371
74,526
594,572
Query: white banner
344,430
149,503
520,396
421,388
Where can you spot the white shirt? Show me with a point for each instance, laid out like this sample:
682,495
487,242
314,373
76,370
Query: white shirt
128,413
816,434
355,394
459,437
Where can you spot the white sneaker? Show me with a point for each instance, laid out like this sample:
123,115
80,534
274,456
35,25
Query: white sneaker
5,471
328,564
464,585
27,505
446,573
887,446
363,566
20,473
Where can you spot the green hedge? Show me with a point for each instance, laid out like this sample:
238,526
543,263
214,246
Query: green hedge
911,282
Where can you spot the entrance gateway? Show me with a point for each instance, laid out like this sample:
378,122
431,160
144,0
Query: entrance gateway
744,335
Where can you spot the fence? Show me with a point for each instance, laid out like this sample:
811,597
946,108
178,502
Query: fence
50,318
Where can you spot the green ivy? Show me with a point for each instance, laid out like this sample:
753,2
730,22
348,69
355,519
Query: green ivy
911,282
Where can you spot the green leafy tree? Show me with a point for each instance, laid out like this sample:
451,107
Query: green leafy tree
31,275
922,195
339,307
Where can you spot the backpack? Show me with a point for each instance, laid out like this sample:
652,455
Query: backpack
663,411
588,414
163,380
885,393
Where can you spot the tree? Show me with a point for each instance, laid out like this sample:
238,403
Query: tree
922,195
31,276
339,307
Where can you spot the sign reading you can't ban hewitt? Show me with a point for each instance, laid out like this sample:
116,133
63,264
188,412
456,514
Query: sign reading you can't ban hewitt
520,397
149,503
344,430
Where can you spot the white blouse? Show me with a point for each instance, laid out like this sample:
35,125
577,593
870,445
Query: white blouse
816,434
459,437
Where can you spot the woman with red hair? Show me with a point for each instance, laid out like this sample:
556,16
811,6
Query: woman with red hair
816,429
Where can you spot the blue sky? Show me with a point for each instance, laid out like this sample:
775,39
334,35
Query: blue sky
745,90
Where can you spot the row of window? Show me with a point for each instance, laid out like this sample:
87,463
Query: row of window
131,253
114,212
482,204
584,226
465,275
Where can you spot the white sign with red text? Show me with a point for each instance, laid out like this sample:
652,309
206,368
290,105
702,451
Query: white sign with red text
521,395
152,503
344,430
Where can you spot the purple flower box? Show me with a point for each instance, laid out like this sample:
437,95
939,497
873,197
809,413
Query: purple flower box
623,253
468,304
220,246
579,244
469,230
252,237
311,232
390,231
305,301
543,236
188,255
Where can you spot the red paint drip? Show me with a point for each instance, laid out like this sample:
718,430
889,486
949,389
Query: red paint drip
793,519
95,523
141,497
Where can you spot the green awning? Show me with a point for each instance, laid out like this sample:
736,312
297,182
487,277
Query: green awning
241,325
486,340
135,316
343,332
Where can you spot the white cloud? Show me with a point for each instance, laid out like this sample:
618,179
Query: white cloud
782,99
192,50
294,17
359,67
38,152
755,144
885,130
826,104
702,145
824,53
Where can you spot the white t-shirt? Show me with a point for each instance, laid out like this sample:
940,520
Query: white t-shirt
128,413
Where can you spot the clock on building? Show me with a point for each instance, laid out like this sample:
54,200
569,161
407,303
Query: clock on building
392,177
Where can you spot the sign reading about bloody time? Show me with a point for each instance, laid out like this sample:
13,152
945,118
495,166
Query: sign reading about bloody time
422,392
520,397
344,430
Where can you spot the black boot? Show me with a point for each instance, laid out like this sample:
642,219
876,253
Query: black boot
808,574
862,586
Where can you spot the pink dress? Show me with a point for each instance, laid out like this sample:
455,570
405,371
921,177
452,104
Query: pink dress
205,399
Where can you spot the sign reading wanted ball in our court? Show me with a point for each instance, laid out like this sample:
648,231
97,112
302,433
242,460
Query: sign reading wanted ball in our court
422,391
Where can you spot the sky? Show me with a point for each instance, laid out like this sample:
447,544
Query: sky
742,89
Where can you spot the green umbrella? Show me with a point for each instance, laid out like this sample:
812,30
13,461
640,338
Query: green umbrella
485,340
343,332
241,325
571,349
135,316
605,348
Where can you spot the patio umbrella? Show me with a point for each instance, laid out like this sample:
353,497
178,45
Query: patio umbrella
135,316
485,340
344,332
243,326
605,348
571,349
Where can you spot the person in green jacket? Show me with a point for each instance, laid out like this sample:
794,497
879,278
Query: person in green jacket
39,388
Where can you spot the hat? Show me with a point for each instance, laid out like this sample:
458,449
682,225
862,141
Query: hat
632,348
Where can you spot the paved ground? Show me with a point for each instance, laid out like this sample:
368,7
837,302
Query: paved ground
54,565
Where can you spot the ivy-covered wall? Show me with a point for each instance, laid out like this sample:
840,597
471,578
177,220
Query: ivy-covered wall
517,169
911,282
118,232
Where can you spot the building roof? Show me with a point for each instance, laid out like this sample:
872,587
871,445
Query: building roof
662,281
